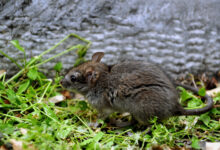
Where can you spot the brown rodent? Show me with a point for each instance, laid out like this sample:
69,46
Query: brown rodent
140,88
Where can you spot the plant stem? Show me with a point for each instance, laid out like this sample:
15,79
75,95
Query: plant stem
16,118
49,116
25,59
32,105
45,52
15,76
3,76
80,38
21,71
11,59
50,81
90,130
49,59
55,46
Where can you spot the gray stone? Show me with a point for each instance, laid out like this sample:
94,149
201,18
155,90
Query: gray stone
180,35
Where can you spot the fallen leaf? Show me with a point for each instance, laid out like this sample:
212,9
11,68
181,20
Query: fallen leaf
79,96
7,102
66,94
213,92
17,145
212,146
70,95
57,99
2,72
2,148
18,115
125,114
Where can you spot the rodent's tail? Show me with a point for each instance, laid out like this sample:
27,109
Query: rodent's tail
199,111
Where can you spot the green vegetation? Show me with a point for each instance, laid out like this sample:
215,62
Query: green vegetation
26,114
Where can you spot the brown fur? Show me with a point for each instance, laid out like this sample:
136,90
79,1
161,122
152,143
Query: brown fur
140,88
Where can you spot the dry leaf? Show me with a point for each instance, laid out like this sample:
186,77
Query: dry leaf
212,146
17,145
79,96
2,148
7,102
18,115
2,72
70,95
66,94
57,99
213,92
125,114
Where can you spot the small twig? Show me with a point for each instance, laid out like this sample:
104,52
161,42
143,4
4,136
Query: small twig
193,80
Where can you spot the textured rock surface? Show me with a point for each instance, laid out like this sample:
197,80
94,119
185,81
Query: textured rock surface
181,35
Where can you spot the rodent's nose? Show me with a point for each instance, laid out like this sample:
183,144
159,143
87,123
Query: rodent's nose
65,83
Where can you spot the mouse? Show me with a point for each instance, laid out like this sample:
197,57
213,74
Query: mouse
140,88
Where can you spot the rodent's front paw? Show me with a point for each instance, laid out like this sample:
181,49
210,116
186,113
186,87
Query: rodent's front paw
121,124
103,116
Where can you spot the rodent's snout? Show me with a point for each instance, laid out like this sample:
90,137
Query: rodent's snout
61,82
64,83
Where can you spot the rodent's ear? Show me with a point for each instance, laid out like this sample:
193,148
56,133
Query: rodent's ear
91,76
97,56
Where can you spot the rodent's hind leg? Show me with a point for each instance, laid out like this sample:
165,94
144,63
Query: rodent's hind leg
142,120
121,124
103,116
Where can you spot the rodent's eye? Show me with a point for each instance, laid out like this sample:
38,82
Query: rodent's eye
89,73
73,78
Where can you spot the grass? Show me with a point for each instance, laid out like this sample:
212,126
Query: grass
24,106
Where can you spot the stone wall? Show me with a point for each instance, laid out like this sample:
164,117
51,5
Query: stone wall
180,35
